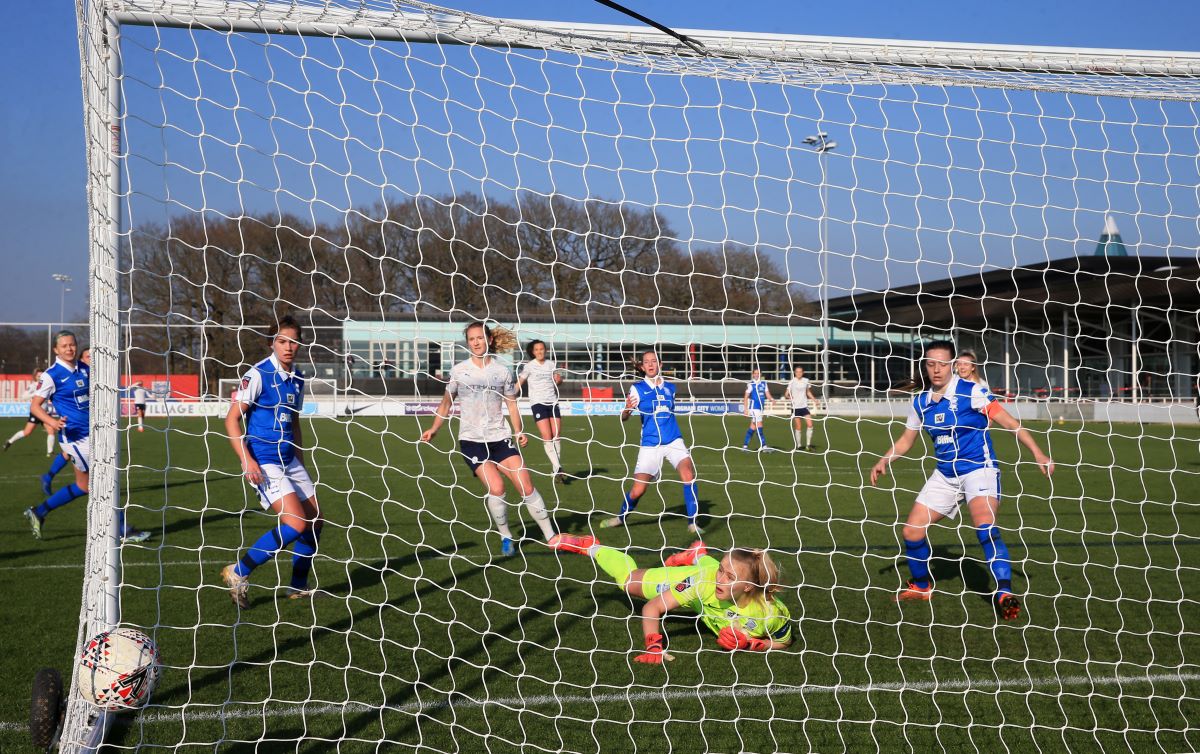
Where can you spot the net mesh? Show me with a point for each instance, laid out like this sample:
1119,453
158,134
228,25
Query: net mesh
390,172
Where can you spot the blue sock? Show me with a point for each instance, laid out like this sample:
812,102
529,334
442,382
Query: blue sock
304,549
762,438
996,554
58,500
274,540
628,506
691,502
57,465
918,561
746,442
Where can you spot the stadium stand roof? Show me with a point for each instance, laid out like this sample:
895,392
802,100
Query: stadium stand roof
1089,287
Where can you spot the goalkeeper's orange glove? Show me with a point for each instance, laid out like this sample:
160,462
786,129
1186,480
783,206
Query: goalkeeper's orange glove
733,639
654,654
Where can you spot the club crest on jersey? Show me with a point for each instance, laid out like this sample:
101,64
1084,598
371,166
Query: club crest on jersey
78,383
684,585
939,418
291,398
750,624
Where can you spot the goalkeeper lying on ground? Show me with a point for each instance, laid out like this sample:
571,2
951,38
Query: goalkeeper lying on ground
735,596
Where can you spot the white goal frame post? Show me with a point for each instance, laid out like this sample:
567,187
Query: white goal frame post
798,60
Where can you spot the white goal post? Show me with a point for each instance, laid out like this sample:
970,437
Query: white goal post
911,118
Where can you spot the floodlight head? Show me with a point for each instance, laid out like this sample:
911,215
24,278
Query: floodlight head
810,140
828,146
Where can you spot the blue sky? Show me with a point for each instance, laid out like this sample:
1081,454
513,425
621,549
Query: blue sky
42,176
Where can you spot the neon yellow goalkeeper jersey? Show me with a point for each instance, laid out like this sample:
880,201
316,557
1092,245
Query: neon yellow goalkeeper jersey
695,586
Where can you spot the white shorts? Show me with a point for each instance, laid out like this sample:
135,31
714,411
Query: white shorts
650,459
80,452
756,415
279,481
944,494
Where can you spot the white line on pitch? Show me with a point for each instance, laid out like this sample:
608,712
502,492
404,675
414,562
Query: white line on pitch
663,695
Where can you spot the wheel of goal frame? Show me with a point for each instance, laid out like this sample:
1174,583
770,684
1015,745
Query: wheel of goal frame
46,708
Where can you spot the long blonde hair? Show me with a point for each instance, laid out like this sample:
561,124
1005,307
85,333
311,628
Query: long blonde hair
500,339
764,573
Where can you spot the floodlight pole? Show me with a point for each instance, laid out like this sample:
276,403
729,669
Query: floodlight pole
821,143
62,297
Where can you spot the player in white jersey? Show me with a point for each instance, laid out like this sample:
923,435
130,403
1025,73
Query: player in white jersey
758,396
541,374
138,391
32,422
799,392
484,387
967,366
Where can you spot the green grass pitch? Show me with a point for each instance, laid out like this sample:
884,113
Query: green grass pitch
431,641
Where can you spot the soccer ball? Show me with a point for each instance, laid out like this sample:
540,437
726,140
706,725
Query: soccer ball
118,669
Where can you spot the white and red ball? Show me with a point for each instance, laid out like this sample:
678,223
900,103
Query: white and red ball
118,669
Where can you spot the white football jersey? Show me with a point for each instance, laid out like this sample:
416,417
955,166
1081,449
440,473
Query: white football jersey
798,389
480,393
541,381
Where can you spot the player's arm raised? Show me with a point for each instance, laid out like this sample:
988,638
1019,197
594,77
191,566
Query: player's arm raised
898,449
1007,421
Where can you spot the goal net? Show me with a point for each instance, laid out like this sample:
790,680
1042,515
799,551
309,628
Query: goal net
388,172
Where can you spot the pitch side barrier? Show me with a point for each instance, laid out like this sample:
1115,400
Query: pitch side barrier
1167,412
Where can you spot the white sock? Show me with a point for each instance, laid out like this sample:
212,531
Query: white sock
139,420
551,453
799,438
537,508
14,438
558,450
49,444
499,510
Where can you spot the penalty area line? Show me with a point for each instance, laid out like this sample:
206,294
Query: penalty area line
663,695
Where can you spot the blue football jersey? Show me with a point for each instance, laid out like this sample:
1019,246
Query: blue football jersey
656,406
756,390
957,425
68,387
275,398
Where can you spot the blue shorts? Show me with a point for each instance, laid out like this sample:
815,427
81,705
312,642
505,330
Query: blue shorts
545,411
800,412
475,454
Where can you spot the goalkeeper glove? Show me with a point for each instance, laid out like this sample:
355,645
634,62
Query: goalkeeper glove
733,639
654,654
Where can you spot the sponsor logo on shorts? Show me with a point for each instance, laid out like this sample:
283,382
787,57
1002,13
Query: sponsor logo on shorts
660,588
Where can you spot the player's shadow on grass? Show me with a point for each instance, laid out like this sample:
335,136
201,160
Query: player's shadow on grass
580,476
156,486
334,631
948,564
510,638
365,576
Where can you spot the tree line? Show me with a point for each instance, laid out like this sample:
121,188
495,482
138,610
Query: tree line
202,277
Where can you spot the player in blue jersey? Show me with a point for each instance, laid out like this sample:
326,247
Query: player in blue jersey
758,395
653,399
955,413
66,383
270,399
